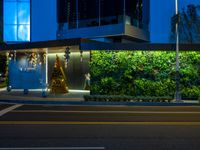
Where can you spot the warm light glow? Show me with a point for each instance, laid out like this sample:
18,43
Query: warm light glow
2,89
72,53
79,91
38,90
47,69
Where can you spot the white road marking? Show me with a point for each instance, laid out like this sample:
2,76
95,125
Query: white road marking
102,112
56,148
6,110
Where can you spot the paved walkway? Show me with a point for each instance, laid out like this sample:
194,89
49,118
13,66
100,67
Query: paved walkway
73,95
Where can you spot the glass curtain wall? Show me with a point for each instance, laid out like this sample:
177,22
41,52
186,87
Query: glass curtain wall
87,13
134,12
1,21
111,12
16,20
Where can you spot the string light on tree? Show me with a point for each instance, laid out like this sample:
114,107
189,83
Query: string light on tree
81,55
33,59
67,56
11,55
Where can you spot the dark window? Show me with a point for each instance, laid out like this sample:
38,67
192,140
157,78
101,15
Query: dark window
111,11
62,11
88,11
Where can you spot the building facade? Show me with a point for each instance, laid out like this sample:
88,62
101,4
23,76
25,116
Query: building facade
105,20
31,20
43,20
35,20
108,20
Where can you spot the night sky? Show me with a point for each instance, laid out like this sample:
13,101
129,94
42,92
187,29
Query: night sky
161,12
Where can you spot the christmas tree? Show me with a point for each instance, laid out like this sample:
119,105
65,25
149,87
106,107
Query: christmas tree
58,80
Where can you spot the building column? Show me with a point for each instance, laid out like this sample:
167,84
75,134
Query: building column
45,84
124,10
77,12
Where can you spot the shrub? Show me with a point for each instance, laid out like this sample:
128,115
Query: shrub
191,93
118,98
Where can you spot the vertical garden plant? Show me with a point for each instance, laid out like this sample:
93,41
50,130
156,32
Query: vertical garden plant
144,73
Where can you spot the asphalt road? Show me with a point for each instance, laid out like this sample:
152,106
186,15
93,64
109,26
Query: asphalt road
98,127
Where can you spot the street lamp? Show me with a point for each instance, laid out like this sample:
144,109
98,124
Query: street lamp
177,94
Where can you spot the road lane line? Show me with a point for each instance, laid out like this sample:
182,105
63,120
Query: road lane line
6,110
56,148
103,112
93,123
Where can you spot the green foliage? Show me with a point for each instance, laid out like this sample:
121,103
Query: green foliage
191,92
120,98
3,70
143,73
3,60
154,88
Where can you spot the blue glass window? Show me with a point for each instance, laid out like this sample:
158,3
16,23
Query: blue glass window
23,32
10,13
10,32
16,20
24,0
10,0
23,10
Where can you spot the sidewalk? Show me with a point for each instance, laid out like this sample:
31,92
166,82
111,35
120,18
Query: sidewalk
36,95
74,97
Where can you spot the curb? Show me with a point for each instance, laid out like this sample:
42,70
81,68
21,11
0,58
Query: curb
84,103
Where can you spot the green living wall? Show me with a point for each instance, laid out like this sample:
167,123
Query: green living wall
144,73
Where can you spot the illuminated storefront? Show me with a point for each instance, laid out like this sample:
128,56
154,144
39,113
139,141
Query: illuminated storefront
31,68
